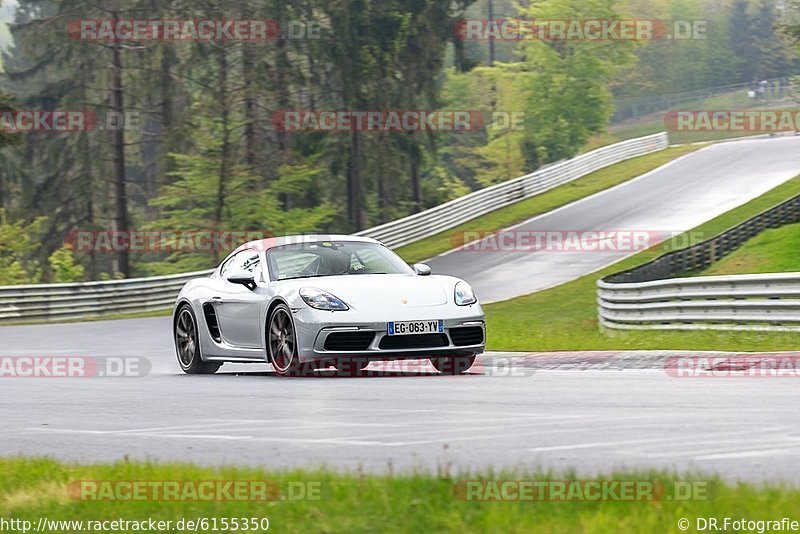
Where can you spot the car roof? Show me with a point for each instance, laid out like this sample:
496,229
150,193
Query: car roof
271,242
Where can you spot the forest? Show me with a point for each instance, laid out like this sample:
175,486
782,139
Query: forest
187,139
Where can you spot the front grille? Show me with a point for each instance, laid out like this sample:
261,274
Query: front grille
349,340
414,341
466,335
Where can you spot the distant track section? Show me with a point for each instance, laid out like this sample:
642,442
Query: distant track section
671,199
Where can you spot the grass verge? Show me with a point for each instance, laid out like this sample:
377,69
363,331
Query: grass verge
166,312
776,250
565,317
557,197
356,502
641,129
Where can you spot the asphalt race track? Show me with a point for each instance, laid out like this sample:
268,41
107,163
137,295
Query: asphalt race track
672,199
592,412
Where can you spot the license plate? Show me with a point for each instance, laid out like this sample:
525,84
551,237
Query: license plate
405,328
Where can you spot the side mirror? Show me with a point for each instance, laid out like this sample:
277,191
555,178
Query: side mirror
242,277
421,269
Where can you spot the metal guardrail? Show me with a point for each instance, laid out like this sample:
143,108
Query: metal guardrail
450,214
64,302
649,297
698,257
740,302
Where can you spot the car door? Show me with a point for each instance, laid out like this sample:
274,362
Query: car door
237,306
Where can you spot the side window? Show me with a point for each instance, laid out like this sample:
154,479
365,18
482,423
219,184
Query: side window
246,260
250,261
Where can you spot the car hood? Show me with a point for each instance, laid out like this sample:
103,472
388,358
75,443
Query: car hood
367,291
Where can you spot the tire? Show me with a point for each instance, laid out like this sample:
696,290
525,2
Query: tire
282,343
453,365
187,344
351,366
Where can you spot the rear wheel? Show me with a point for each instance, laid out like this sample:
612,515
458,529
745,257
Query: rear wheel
187,345
282,342
453,365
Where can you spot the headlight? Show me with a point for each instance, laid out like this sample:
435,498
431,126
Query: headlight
322,300
464,294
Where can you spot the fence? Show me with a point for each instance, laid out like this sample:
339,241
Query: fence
726,97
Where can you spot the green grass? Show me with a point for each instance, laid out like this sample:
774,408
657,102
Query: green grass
654,122
356,502
559,196
565,317
643,127
166,312
775,250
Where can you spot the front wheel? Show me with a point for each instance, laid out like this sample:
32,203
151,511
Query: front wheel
282,342
453,365
187,345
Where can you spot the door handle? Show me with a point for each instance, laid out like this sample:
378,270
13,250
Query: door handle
216,299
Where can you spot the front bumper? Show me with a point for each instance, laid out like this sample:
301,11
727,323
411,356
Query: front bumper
313,338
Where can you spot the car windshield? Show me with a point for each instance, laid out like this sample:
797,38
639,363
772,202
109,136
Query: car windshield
333,258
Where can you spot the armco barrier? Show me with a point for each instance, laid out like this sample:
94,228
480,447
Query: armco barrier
650,297
62,302
739,302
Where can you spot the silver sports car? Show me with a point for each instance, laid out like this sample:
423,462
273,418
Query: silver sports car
306,302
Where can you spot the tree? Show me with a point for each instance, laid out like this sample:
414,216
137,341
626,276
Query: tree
63,267
18,241
567,82
771,48
191,203
384,55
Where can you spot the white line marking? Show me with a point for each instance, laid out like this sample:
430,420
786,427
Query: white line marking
141,434
756,453
663,439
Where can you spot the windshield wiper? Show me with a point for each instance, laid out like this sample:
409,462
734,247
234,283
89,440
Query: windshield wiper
340,274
